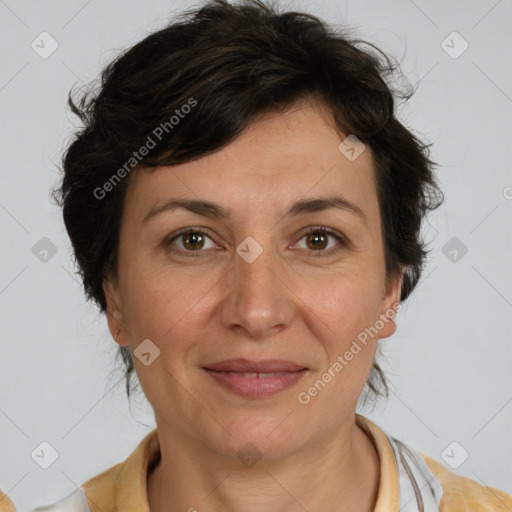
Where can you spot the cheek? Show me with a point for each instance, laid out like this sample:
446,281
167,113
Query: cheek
157,306
347,314
171,307
169,312
347,303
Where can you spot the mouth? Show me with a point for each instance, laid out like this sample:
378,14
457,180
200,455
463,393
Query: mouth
251,379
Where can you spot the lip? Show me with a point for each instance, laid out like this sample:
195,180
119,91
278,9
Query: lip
230,375
241,365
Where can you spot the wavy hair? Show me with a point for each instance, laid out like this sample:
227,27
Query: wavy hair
237,62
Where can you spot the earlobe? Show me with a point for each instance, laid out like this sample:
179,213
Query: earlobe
393,292
390,306
114,313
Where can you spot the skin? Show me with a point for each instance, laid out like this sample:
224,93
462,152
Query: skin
283,305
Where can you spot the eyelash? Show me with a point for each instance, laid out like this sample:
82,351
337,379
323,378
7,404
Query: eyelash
330,252
311,254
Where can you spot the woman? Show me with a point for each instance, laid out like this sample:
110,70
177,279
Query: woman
245,207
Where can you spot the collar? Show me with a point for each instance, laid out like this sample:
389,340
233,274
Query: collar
406,483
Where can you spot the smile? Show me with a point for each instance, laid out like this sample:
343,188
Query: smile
256,384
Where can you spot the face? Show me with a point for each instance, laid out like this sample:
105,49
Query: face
266,274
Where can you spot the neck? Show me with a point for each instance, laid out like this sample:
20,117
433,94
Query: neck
338,474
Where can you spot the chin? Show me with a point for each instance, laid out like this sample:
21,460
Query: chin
273,435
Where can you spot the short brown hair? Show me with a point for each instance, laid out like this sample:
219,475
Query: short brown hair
236,62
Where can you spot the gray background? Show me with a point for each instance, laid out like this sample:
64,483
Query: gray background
449,362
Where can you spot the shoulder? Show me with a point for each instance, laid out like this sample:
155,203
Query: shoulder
462,494
6,504
74,502
119,487
100,489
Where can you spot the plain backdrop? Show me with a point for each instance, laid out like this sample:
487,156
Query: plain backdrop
449,361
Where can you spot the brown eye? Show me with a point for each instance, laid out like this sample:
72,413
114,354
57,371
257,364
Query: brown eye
191,241
321,241
317,240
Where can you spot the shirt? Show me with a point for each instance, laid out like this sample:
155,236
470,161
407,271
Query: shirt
410,481
6,505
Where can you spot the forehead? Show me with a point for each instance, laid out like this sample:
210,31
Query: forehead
280,158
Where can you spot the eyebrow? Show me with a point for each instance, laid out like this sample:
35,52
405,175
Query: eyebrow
216,211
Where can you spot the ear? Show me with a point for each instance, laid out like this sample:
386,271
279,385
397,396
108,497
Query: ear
390,304
114,312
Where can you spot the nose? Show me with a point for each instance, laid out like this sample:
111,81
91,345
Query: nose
259,298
